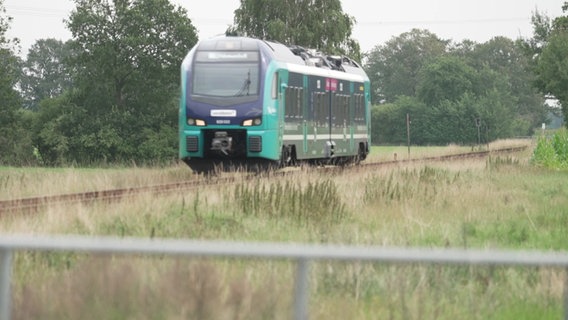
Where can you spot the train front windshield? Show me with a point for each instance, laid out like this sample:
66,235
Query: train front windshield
226,73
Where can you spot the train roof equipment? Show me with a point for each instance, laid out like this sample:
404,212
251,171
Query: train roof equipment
294,54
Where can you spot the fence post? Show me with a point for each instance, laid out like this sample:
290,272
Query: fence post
5,274
301,290
566,294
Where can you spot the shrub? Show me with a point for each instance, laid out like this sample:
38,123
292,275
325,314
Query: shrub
317,202
552,152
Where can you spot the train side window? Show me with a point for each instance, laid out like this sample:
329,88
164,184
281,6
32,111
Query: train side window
294,103
342,109
321,106
315,106
299,95
318,107
359,108
336,109
290,102
275,86
325,108
346,103
287,102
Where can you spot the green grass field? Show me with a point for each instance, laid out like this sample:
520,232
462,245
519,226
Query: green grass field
501,202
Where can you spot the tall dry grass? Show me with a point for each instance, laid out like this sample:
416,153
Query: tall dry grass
500,202
18,183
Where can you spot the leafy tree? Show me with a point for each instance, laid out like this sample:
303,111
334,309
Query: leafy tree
542,28
317,24
130,49
15,139
12,127
8,74
389,121
46,73
445,78
507,58
56,127
458,98
464,49
452,121
561,23
548,51
393,68
465,85
552,69
448,89
5,21
9,65
125,80
552,63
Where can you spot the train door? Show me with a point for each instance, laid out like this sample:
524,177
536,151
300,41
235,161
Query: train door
282,85
331,87
318,131
340,135
321,129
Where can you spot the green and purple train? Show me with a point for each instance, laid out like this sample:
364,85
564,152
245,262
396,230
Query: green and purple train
255,104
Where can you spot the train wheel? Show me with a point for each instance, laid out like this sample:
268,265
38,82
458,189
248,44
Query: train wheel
361,154
287,156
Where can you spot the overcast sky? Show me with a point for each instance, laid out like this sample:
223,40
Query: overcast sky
377,21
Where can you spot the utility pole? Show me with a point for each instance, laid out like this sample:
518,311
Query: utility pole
478,124
408,133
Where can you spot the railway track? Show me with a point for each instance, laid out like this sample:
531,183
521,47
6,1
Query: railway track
32,204
450,157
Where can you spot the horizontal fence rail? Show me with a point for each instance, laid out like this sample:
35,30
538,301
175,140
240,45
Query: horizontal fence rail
303,254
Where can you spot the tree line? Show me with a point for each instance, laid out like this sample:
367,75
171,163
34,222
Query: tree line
452,93
110,93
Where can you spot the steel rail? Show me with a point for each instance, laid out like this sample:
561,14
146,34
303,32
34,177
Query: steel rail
34,203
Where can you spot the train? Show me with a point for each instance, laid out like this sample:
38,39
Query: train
256,104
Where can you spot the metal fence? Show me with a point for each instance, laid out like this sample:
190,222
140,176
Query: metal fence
301,253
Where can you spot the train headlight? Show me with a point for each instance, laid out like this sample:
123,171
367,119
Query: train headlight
196,122
252,122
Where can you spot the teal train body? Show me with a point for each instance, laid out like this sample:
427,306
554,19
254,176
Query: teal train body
258,104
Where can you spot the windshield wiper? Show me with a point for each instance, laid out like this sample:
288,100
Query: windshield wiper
245,87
